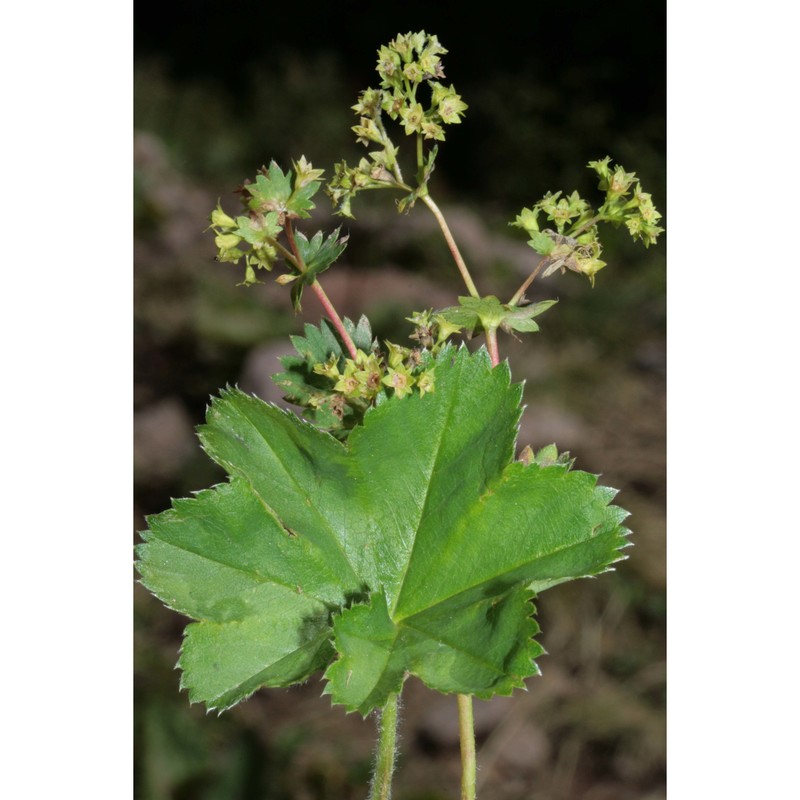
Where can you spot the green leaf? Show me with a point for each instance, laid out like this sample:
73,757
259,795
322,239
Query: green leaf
361,334
258,230
262,593
541,242
489,313
272,191
520,318
415,547
319,253
299,204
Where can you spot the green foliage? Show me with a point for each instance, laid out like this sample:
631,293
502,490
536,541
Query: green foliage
488,313
317,254
415,548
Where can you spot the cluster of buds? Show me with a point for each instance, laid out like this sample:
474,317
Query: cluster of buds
361,379
357,382
404,65
563,252
626,202
575,242
232,235
432,330
347,181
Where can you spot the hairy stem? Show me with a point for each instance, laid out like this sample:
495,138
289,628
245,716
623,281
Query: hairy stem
381,788
451,243
466,731
335,319
491,346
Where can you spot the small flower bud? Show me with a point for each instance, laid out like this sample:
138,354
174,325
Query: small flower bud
220,219
227,241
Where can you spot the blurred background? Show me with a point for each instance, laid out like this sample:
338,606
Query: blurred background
220,89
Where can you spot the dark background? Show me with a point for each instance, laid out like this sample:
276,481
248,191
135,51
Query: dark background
221,88
592,74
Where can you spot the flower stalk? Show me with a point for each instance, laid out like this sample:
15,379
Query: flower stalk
451,243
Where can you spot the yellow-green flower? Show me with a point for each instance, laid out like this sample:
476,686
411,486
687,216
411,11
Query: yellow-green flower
425,382
348,384
399,379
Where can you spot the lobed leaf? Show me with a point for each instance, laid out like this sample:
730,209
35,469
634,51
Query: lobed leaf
272,191
319,253
416,547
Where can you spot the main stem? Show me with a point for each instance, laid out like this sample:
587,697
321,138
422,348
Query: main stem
466,731
381,788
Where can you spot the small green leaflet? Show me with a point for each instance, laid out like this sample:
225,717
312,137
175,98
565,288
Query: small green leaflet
489,313
542,243
259,230
273,192
415,547
318,254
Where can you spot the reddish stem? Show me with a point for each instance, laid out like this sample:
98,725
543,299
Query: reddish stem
320,293
491,344
335,319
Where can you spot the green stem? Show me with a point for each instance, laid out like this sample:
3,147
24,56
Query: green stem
286,254
466,731
451,243
381,788
585,226
389,149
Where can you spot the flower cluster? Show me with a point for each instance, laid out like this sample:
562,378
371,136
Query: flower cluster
626,202
404,65
362,379
575,242
408,63
269,202
579,253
